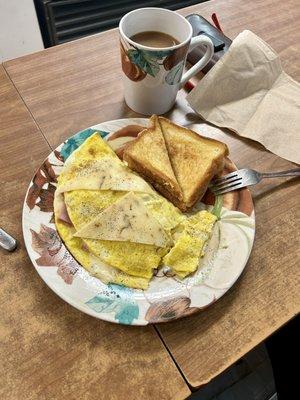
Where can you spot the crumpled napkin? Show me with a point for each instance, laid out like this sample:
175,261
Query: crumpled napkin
248,92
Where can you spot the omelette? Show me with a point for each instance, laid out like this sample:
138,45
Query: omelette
78,201
116,226
191,237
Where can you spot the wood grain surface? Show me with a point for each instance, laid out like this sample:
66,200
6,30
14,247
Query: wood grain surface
73,86
48,349
268,293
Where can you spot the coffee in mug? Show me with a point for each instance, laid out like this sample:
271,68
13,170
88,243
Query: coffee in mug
154,39
154,44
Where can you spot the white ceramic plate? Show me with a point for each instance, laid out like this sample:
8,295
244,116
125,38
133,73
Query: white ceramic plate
167,298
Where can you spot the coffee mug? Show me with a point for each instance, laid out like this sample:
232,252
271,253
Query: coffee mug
152,76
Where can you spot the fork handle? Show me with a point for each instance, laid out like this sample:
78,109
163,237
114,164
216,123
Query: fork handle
289,172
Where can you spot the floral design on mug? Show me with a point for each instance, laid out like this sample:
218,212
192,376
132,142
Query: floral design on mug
175,57
148,61
174,75
138,63
174,63
132,71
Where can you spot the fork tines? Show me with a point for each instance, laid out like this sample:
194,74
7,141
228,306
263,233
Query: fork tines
227,183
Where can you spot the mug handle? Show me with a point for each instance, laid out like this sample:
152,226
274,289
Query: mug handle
206,41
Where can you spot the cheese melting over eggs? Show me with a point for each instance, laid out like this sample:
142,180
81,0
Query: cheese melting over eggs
93,180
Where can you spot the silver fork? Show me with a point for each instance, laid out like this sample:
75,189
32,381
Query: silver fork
245,177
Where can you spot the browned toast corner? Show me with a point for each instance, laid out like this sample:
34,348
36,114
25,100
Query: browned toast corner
195,160
148,156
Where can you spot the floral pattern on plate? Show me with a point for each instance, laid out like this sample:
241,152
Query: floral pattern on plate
52,253
116,300
167,297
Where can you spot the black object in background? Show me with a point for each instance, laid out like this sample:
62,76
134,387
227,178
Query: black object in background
221,42
283,349
65,20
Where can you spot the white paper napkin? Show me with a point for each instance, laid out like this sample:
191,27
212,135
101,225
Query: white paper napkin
248,92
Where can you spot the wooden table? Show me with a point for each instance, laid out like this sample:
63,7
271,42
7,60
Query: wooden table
48,350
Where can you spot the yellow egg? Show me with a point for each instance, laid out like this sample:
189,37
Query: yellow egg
193,234
94,167
95,266
133,258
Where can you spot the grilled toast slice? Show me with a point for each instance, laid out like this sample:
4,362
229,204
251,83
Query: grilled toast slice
148,156
194,159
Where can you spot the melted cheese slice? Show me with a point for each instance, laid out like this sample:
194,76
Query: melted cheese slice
104,174
133,258
106,273
94,166
126,220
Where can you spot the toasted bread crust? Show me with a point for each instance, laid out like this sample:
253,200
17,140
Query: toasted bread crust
217,162
181,185
163,180
201,187
156,179
216,167
196,135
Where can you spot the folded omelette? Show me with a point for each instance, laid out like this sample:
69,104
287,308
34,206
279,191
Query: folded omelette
116,226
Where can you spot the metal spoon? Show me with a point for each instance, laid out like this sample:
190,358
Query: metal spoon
7,242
